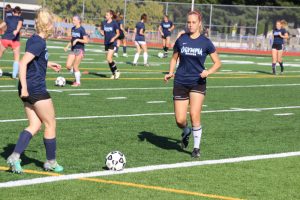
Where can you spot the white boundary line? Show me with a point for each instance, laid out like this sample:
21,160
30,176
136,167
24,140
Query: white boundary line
162,114
166,88
51,179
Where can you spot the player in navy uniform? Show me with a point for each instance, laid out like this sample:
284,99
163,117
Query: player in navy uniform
165,28
122,37
37,101
140,41
11,37
8,11
79,38
279,34
190,79
111,31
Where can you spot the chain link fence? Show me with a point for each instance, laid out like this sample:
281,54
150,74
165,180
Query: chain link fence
228,26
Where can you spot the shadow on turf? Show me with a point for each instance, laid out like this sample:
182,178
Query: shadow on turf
6,74
25,159
98,74
263,72
161,141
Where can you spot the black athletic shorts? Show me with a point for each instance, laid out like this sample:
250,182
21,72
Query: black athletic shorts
182,92
121,36
277,46
109,46
165,36
32,99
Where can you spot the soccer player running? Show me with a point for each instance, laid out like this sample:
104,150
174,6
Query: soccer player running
279,34
79,39
190,78
165,28
11,37
37,101
122,37
110,30
140,42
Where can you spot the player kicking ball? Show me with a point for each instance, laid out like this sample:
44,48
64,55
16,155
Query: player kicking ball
190,79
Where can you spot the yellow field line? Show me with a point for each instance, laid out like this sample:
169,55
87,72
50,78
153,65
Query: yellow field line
134,185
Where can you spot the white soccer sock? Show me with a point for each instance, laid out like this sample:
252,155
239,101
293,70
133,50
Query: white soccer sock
136,57
77,76
145,57
197,132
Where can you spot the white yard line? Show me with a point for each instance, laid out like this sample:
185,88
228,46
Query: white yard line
51,179
161,114
156,102
116,98
284,114
80,94
167,88
7,86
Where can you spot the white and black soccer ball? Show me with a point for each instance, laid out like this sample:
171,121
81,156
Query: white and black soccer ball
60,81
115,160
1,72
160,55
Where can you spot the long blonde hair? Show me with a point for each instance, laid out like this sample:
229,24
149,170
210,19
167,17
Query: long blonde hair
44,22
284,24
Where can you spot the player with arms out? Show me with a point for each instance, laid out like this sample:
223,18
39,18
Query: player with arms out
190,79
79,39
11,37
140,42
279,34
37,101
165,28
111,31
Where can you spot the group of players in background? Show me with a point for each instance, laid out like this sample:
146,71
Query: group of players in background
191,50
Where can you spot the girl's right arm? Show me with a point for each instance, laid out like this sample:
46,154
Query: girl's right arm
172,67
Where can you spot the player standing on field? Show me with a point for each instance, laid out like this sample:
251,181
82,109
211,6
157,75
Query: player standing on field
111,31
11,37
279,34
79,39
140,42
165,28
190,79
37,101
122,37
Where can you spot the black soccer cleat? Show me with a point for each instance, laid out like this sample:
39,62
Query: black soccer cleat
185,139
196,153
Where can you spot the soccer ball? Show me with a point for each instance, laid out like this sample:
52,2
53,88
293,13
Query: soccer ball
60,81
1,72
115,160
160,55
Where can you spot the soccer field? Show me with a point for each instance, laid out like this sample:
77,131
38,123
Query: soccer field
250,146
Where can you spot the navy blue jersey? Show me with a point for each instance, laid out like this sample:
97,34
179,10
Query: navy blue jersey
110,30
77,33
8,14
165,27
12,24
36,69
119,23
277,38
192,53
138,36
